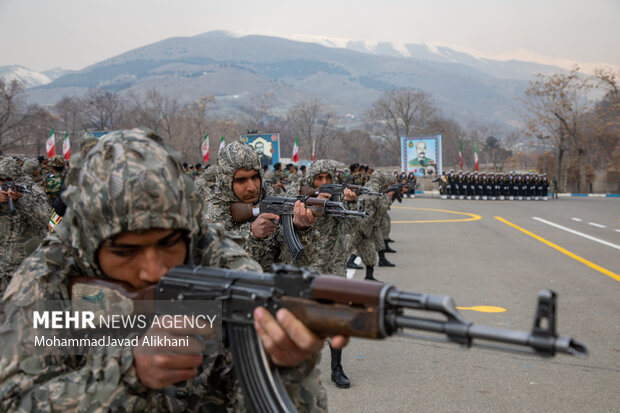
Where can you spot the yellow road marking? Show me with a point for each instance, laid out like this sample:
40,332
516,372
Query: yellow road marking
484,309
472,217
563,251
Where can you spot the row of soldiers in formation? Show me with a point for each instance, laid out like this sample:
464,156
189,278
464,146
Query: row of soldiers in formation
492,186
95,195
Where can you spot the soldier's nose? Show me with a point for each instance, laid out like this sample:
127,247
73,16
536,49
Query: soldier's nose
152,268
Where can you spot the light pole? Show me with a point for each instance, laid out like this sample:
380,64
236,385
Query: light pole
543,138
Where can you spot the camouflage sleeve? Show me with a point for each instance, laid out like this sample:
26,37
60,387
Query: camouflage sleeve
223,250
102,380
218,211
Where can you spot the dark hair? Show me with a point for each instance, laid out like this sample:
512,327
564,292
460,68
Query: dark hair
277,166
302,167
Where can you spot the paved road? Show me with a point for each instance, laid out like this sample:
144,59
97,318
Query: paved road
475,253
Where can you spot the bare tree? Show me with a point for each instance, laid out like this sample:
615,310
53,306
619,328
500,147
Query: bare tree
315,123
555,106
12,108
400,113
103,109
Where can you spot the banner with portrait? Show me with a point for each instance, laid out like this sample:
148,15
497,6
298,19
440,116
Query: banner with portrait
267,145
421,155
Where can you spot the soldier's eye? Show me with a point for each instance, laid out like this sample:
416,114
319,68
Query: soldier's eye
123,252
172,239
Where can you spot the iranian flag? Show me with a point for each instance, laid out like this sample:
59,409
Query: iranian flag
50,145
460,154
205,148
476,156
222,144
296,149
66,147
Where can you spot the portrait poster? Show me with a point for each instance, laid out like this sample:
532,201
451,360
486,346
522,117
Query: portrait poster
421,155
267,145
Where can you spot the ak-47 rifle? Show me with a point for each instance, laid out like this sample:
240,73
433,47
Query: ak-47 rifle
337,190
285,207
398,191
7,185
329,306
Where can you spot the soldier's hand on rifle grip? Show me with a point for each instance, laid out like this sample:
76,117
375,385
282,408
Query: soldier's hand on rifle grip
14,194
302,217
390,194
287,340
4,196
324,195
349,195
264,225
159,367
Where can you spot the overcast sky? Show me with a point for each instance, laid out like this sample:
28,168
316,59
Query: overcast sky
43,34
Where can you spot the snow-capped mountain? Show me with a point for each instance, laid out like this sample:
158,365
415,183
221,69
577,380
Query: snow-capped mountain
27,77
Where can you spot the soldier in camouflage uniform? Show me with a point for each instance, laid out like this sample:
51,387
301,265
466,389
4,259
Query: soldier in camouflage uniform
386,223
26,227
53,180
368,238
32,170
330,242
262,237
148,219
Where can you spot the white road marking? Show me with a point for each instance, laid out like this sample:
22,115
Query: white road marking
581,234
617,230
597,225
577,219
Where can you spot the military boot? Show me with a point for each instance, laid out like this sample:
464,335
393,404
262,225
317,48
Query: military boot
351,263
387,247
369,272
383,262
338,377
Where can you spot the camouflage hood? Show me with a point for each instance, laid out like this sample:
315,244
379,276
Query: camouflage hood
9,168
375,182
29,166
233,157
128,181
323,166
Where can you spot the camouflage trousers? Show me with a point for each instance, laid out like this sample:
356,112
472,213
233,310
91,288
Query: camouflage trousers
385,226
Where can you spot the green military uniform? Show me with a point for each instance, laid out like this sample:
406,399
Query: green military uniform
53,181
127,182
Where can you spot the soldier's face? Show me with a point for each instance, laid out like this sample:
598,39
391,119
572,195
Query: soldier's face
246,185
142,259
322,179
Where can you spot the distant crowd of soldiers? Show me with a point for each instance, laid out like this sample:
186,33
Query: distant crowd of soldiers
493,186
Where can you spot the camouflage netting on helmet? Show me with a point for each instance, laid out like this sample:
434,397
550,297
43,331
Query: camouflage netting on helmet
375,182
323,166
29,166
9,168
234,156
127,182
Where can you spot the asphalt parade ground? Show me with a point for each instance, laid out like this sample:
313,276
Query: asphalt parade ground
496,254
